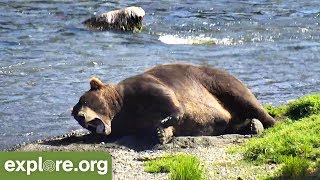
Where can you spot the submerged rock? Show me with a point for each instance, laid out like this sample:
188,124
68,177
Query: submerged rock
127,19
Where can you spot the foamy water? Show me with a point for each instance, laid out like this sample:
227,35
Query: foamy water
196,40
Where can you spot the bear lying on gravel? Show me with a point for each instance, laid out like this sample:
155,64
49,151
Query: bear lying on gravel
172,100
127,19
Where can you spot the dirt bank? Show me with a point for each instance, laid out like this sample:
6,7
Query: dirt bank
129,153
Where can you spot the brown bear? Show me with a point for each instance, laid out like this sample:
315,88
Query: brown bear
127,19
172,100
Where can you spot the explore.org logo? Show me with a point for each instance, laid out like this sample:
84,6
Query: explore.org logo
33,165
49,165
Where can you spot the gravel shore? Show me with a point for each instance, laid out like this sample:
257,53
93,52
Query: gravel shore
129,153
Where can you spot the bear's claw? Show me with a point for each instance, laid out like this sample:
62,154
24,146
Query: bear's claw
165,119
169,121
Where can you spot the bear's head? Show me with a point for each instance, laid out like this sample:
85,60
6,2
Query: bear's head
97,107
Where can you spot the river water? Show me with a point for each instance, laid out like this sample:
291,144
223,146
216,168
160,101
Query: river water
47,57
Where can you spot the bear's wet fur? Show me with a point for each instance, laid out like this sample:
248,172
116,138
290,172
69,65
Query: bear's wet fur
172,100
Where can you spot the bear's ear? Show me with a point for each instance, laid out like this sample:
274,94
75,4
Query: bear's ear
95,83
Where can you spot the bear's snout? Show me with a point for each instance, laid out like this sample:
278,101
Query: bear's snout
80,117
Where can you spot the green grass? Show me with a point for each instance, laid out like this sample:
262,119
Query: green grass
302,107
180,167
295,168
295,142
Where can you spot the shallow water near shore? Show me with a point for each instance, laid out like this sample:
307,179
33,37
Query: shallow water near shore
47,57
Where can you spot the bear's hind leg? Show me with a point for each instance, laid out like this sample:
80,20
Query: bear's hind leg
256,126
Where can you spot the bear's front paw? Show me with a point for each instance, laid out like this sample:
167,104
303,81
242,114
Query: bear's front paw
256,127
164,134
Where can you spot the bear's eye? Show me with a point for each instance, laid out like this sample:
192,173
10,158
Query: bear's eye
82,101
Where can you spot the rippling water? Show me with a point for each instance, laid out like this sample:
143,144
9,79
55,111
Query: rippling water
47,57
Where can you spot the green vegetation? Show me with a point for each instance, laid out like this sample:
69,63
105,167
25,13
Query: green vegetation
297,109
137,27
180,166
294,143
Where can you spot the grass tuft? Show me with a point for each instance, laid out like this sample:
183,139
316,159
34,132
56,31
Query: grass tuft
295,167
297,109
304,107
180,166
